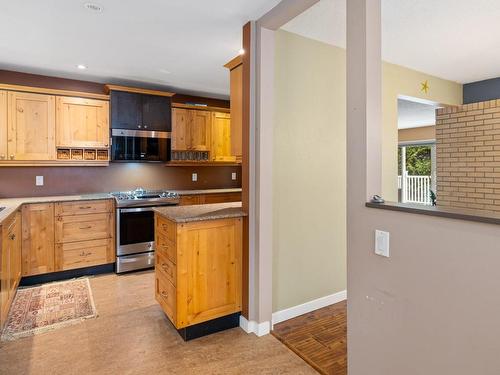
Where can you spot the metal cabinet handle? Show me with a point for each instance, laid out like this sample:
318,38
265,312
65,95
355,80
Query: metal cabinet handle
86,227
139,126
84,207
84,254
11,157
12,237
2,156
164,294
145,126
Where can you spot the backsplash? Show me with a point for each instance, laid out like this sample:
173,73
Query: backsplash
20,181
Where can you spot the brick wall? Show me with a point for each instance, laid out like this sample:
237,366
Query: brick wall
468,156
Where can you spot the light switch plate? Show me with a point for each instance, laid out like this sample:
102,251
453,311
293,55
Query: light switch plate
233,176
39,181
382,243
194,177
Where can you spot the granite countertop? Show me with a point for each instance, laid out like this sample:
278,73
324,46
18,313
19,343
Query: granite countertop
12,204
207,191
202,212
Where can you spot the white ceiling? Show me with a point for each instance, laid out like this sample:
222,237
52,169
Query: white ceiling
167,43
451,39
412,114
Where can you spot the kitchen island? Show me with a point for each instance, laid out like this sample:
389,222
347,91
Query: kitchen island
198,266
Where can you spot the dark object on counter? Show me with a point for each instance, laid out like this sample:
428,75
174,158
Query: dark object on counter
377,199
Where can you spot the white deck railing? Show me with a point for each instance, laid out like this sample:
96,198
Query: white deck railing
415,189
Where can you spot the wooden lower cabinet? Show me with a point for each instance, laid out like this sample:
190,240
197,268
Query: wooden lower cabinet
10,263
186,200
74,255
38,239
203,282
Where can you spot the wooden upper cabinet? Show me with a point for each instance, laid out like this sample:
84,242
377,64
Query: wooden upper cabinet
200,130
132,110
37,239
236,97
191,129
156,113
221,137
31,126
3,125
82,122
126,110
180,129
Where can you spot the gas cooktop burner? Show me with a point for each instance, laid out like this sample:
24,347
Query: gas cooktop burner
140,197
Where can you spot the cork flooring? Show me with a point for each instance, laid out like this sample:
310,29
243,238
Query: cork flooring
319,337
132,336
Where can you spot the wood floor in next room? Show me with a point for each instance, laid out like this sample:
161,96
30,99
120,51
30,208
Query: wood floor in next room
319,337
132,336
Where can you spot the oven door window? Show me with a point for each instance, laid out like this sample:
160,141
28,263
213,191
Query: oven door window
139,148
136,227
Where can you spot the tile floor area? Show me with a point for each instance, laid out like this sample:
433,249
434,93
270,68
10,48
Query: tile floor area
132,336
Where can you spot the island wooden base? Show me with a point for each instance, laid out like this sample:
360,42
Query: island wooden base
212,326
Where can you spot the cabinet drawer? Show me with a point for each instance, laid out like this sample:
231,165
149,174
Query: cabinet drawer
166,248
165,294
83,254
222,197
83,207
84,227
166,227
189,200
164,265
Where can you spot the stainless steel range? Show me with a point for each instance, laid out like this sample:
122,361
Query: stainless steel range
135,244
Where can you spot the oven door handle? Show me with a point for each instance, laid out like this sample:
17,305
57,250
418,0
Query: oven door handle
137,209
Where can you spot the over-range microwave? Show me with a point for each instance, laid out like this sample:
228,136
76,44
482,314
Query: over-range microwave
140,145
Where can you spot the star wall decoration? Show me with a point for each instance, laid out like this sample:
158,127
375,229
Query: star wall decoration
424,86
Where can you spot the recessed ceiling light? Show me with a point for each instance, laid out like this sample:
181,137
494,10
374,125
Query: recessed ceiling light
81,66
241,51
93,7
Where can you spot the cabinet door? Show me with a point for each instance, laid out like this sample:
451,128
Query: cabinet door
208,270
199,129
37,239
221,137
126,110
236,77
3,125
5,276
156,113
82,122
180,129
31,126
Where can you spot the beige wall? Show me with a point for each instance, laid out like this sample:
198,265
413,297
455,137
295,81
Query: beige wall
422,133
309,186
397,80
309,171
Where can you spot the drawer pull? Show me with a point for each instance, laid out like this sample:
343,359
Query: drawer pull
165,266
164,294
86,227
85,207
12,237
84,254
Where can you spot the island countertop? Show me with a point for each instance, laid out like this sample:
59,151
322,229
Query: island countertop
202,212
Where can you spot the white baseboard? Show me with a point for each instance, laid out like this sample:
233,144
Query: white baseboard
292,312
260,329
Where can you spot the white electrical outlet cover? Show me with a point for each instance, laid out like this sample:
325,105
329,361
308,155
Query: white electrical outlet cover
382,243
194,177
39,181
233,176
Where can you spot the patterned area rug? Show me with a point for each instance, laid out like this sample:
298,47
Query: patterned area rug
50,306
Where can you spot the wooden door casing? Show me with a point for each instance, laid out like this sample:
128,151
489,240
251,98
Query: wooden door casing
82,122
31,126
